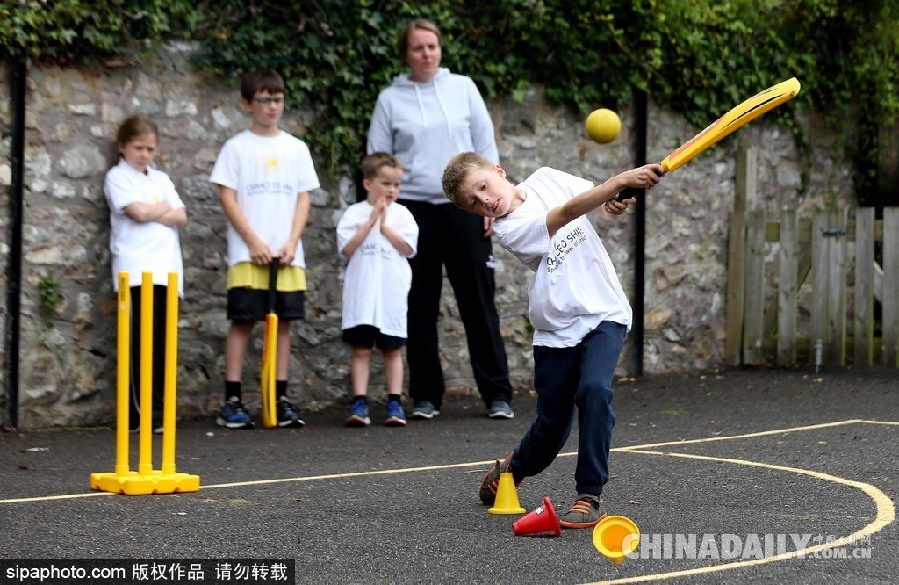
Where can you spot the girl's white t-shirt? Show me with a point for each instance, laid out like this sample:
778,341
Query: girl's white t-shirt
148,246
268,173
377,278
575,287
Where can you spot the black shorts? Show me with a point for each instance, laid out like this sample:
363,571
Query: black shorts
247,304
369,336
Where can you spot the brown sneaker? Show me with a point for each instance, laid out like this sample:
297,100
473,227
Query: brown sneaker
490,483
584,513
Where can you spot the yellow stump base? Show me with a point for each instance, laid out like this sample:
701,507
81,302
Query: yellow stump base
142,484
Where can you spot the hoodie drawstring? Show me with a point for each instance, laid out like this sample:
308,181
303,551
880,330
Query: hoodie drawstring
421,106
424,113
449,127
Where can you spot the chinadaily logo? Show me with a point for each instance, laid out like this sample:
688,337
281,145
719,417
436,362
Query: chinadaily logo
730,547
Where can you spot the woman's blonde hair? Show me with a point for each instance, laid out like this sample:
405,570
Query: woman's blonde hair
402,43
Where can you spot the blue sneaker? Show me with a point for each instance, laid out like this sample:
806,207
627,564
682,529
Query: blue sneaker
288,417
358,414
234,415
395,415
424,410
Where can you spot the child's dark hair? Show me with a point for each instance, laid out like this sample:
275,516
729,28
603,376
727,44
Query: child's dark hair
260,80
132,128
373,162
402,44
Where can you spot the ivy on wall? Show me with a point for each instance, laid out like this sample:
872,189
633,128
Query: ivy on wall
699,57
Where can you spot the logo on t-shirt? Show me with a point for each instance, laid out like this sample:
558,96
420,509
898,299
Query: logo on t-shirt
268,187
563,245
376,249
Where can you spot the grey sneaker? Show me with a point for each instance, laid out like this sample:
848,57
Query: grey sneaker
490,483
584,513
424,410
500,409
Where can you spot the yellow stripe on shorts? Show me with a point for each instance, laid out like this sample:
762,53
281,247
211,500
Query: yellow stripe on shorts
255,276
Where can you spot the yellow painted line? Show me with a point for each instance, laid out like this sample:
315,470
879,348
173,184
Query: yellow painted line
281,480
487,462
51,498
886,514
351,474
756,434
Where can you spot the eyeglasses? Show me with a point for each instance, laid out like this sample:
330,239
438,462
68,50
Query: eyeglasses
269,101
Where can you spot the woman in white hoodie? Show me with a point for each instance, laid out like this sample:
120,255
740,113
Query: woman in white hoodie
424,118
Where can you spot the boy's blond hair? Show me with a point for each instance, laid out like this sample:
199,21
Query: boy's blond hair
457,169
372,163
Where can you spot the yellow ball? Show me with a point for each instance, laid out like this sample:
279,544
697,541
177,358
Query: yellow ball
603,125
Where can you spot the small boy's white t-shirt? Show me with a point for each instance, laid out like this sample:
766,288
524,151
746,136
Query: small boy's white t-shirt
377,279
575,287
147,246
267,172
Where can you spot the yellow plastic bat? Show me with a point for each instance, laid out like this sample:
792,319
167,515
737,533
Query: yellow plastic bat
270,353
736,118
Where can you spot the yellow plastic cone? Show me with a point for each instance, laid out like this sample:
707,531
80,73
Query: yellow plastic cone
506,497
616,537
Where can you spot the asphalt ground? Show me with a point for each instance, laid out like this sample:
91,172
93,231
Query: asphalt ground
724,458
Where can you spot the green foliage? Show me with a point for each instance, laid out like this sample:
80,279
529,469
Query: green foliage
49,291
697,57
89,32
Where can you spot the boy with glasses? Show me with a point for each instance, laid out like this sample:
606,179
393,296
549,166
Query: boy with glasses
263,176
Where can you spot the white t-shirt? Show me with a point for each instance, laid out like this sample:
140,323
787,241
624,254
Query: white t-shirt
378,277
575,287
268,173
142,246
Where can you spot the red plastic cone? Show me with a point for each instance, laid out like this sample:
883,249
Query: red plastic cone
542,519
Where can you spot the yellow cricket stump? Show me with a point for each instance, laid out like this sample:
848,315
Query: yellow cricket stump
146,480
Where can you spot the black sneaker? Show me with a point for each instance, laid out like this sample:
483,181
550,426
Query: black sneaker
490,483
234,415
584,513
288,417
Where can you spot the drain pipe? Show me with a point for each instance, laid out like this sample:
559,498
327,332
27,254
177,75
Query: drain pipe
638,300
13,286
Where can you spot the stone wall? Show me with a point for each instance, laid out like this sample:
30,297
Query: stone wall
67,356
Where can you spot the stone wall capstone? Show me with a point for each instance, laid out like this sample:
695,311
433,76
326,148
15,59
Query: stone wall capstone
67,357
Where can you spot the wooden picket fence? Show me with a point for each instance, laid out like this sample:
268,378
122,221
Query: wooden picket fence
836,287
